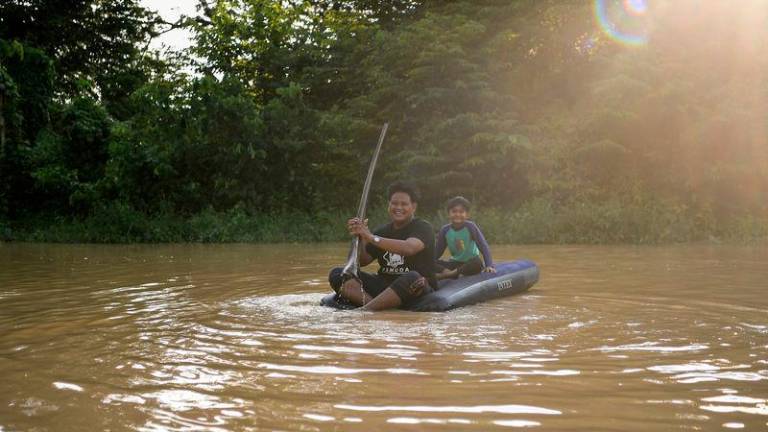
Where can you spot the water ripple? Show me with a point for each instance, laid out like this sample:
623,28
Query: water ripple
652,347
476,409
354,350
335,370
759,410
231,337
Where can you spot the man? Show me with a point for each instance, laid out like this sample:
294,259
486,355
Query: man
404,249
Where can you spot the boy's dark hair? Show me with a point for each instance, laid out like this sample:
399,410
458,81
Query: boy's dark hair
404,187
457,201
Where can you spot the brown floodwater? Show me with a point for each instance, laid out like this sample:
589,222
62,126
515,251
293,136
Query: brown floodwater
231,338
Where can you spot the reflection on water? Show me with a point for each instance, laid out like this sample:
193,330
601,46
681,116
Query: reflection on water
231,337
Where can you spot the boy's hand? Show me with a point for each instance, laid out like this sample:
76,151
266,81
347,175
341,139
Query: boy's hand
490,269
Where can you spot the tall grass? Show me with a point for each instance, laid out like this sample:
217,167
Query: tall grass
537,221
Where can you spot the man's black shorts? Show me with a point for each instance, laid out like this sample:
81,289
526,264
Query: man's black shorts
405,285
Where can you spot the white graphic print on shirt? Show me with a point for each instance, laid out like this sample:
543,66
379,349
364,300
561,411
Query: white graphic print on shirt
395,263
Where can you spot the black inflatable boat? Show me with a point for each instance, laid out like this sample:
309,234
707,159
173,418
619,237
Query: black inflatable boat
510,278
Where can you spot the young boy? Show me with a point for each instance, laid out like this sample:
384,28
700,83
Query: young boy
464,241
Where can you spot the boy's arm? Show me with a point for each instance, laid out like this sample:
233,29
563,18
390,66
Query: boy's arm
475,232
440,246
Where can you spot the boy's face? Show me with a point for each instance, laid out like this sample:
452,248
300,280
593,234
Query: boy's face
401,208
458,215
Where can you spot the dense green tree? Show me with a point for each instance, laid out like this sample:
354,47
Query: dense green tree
528,106
28,84
72,66
95,45
453,131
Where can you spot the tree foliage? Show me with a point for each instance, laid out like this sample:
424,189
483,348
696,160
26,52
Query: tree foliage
95,45
520,105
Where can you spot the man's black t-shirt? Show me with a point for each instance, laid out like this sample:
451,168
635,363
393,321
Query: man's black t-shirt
393,265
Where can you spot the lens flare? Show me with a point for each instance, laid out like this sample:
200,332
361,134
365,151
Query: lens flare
624,21
635,7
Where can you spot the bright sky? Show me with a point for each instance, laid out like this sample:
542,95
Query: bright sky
170,10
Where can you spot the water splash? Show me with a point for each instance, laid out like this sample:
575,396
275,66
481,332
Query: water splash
624,21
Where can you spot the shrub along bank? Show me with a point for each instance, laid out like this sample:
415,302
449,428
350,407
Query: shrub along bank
537,222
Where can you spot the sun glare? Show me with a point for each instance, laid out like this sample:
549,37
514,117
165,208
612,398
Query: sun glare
624,21
635,7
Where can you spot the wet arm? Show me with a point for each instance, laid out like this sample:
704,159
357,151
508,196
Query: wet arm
365,257
408,247
359,228
485,250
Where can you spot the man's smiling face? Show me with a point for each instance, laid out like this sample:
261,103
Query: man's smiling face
401,208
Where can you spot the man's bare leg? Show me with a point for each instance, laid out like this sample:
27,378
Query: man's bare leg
388,299
351,291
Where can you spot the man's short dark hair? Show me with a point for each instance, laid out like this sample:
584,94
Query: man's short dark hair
404,187
457,201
